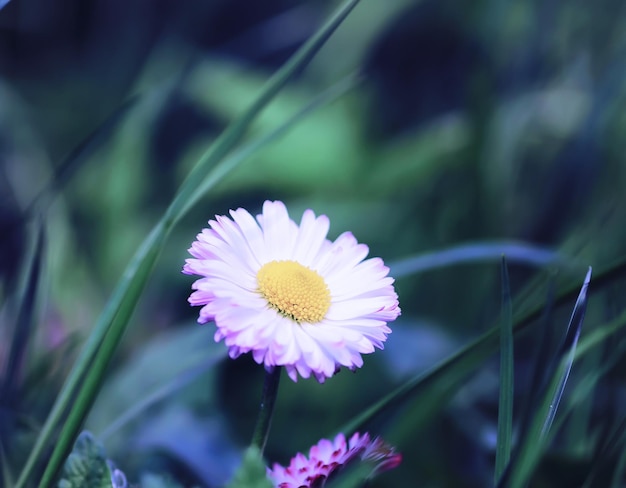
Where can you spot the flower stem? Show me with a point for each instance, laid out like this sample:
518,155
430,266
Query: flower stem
264,420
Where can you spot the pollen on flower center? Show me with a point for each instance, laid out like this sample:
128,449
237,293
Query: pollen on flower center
296,291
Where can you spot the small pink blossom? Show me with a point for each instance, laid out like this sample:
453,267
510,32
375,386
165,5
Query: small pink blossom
328,457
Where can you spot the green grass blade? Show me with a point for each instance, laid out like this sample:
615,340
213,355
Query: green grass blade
505,404
538,438
477,252
569,349
94,357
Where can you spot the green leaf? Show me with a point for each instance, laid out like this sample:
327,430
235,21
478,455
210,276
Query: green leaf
252,473
86,465
505,404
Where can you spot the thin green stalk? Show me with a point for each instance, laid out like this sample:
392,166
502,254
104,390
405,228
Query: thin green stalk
505,405
266,409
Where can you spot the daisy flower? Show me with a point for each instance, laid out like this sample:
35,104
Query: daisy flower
287,294
327,457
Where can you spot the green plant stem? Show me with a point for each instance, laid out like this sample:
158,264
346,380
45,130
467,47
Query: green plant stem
268,399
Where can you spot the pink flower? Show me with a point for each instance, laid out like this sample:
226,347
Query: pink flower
288,295
326,458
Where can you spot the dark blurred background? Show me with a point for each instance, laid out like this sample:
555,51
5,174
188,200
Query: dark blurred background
484,120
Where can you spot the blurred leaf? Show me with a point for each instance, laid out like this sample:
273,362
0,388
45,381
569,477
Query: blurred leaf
5,469
199,443
252,148
252,473
86,466
417,157
80,155
24,329
505,404
166,364
620,469
317,143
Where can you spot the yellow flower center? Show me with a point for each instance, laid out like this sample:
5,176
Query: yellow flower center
296,291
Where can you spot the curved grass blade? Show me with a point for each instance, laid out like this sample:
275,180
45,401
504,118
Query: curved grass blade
530,451
112,323
505,404
568,351
480,252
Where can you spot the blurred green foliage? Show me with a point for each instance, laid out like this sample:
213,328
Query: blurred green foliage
473,122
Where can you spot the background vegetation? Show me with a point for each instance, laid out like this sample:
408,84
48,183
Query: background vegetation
454,132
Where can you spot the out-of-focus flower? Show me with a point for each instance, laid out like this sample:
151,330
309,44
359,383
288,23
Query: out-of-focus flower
328,457
287,294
